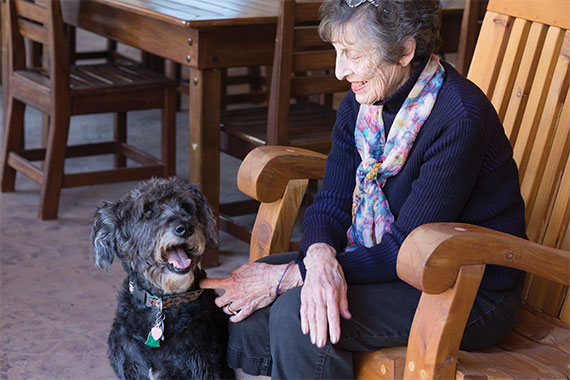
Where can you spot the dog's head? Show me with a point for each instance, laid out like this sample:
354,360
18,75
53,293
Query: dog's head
159,230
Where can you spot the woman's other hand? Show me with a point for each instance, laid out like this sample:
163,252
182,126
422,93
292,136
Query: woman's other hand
323,297
252,287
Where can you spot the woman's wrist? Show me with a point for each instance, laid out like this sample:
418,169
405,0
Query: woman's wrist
290,277
317,253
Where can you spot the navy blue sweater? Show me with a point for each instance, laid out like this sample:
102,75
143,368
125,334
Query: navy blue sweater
460,169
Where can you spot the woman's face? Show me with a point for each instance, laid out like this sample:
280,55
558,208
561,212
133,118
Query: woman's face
357,62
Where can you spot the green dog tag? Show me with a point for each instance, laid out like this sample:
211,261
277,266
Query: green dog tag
151,342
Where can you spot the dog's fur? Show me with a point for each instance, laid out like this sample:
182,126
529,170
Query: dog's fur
139,229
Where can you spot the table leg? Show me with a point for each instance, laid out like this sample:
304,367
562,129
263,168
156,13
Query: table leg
4,63
204,115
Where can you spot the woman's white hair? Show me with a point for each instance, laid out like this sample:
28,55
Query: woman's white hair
387,26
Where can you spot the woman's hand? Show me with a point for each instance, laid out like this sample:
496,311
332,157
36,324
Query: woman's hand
252,287
323,297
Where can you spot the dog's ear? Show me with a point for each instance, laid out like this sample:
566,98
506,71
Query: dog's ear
103,235
206,217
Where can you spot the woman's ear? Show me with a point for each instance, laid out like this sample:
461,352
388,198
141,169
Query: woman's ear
409,51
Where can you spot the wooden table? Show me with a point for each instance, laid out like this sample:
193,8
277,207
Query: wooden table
205,35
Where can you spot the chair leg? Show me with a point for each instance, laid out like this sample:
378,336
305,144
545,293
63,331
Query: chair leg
13,142
54,166
173,70
120,120
168,149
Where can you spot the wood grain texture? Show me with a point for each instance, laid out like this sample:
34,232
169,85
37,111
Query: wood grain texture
439,324
431,255
266,171
551,12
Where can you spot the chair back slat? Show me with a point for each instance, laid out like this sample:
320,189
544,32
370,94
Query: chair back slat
316,84
31,20
41,22
307,11
506,79
524,68
319,60
530,47
36,12
531,131
485,66
551,12
303,65
307,38
557,228
543,171
33,31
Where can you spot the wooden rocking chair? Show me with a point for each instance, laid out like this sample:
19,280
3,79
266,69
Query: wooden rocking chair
522,63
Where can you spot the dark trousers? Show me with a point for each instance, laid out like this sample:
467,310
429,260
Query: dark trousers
270,341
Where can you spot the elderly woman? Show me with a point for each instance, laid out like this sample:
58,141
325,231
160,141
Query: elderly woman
414,142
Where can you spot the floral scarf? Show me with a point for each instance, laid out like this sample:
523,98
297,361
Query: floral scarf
383,158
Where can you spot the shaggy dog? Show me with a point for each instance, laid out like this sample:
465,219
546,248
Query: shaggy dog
165,326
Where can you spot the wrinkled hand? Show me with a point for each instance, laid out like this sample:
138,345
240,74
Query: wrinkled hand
323,297
251,287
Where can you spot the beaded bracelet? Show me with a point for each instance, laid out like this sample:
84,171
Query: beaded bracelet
282,276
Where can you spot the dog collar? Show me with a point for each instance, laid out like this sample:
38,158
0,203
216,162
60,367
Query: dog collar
150,300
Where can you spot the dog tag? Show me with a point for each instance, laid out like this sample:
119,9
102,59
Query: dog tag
151,342
156,332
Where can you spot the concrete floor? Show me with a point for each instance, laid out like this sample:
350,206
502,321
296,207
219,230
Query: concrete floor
56,308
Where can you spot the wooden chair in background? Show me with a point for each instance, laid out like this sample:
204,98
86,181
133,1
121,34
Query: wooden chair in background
460,26
302,75
65,90
471,22
522,62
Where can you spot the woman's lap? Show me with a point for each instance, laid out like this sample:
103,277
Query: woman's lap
270,341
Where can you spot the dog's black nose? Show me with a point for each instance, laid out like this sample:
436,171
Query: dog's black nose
183,230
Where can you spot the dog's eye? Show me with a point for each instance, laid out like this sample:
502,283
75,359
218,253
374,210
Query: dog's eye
148,211
189,208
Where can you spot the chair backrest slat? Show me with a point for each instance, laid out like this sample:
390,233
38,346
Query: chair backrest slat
487,58
33,31
307,38
554,235
307,61
32,11
524,68
530,127
317,84
507,77
307,11
530,45
543,169
40,21
32,21
551,12
303,65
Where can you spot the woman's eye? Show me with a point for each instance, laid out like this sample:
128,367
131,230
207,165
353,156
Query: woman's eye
354,54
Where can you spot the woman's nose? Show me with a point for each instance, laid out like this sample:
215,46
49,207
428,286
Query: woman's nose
341,68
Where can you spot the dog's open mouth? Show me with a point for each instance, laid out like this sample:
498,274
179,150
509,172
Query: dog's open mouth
178,259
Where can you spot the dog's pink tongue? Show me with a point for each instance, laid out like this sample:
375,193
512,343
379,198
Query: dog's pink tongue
178,258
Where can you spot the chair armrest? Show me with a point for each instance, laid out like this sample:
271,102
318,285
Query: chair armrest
432,254
277,176
266,170
446,262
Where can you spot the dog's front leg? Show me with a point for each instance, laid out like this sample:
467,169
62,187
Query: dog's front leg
127,360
